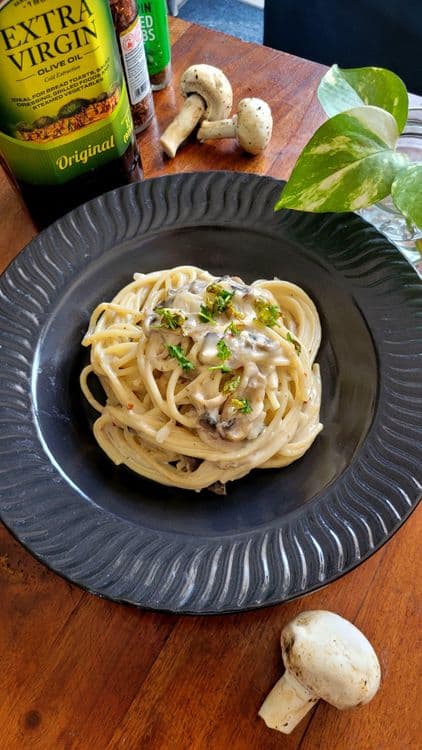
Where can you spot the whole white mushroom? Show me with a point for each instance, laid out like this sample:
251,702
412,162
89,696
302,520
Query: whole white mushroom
207,93
325,657
252,126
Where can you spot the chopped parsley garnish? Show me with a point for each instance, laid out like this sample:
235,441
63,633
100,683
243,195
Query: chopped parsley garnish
293,341
206,315
242,405
234,311
223,367
231,384
223,351
177,352
266,313
218,298
222,299
233,328
171,319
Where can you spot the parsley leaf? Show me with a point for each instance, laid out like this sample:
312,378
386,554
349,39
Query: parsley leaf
266,313
242,405
222,300
231,384
233,328
171,319
219,298
222,367
206,315
177,352
223,351
234,311
293,341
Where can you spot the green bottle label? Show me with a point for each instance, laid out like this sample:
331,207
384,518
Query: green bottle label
154,23
64,107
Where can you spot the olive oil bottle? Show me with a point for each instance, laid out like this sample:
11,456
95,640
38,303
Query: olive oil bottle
66,131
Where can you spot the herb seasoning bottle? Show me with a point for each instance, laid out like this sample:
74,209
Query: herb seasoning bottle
155,28
128,28
66,131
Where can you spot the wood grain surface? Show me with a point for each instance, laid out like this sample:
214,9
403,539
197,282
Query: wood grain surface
79,672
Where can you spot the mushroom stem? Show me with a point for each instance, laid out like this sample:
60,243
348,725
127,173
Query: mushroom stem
183,124
252,126
220,129
286,704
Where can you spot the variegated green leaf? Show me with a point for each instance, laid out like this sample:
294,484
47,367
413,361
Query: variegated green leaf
348,164
406,192
341,89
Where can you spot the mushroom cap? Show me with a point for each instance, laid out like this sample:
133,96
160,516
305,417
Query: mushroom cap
212,85
254,124
331,658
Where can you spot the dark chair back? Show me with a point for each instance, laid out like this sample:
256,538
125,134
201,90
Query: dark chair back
385,33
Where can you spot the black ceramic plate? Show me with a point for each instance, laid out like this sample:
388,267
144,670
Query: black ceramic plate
278,533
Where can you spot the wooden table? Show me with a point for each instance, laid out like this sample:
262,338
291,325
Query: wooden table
79,672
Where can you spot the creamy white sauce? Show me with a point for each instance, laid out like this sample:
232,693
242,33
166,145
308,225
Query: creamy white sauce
254,355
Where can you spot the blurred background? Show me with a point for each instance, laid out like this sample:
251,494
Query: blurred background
241,18
385,33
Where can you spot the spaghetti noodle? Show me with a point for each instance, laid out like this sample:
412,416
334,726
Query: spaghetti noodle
205,378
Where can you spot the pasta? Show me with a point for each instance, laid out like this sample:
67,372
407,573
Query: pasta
205,378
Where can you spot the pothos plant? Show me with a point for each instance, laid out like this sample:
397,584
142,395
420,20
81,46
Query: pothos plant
351,161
